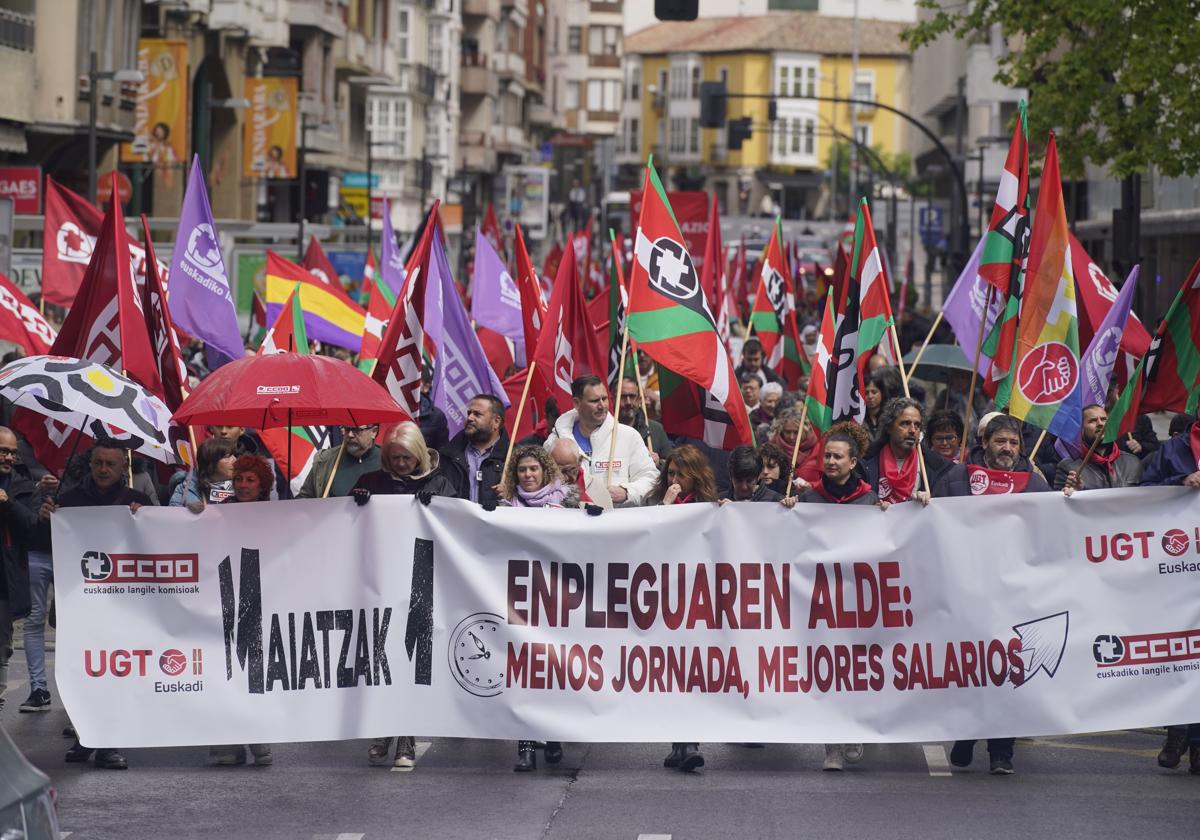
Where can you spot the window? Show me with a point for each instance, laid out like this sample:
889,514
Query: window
635,84
695,94
795,136
635,144
403,34
603,95
437,59
388,119
678,137
723,76
572,102
796,79
679,81
810,137
602,40
810,81
862,133
864,85
574,39
694,136
662,84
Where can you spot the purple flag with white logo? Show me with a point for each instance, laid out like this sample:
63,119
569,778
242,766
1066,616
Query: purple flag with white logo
963,309
1101,355
495,299
461,369
200,295
391,261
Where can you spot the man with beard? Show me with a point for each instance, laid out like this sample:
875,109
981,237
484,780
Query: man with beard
631,414
474,458
892,463
1108,467
996,467
358,457
592,428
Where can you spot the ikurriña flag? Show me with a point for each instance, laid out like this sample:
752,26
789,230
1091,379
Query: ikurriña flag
671,321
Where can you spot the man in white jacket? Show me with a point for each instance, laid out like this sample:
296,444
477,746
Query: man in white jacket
591,426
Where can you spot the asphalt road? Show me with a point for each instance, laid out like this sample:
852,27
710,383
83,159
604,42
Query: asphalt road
1095,786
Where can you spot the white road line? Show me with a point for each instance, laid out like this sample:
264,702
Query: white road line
422,748
654,837
935,757
346,836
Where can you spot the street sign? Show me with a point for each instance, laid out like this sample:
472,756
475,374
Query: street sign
931,222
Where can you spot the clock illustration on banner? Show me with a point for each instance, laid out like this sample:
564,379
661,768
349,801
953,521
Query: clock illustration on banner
478,648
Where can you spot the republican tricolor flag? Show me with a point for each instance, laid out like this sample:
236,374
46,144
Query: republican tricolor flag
671,321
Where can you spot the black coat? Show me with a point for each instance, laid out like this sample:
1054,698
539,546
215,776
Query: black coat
935,466
456,468
956,481
382,482
1143,433
762,493
18,529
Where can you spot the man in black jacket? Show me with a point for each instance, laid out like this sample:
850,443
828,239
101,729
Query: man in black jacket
891,464
745,468
18,521
1107,468
104,485
474,458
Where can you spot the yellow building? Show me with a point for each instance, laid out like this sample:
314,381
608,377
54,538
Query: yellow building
798,59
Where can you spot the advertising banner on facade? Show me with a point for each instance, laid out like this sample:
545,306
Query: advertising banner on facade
691,211
269,143
161,117
978,617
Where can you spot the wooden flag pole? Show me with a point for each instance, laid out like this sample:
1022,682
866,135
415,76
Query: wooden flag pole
904,381
1036,447
928,337
512,440
337,462
637,377
796,448
975,372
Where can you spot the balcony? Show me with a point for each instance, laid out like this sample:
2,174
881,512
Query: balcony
477,152
481,8
510,139
478,80
260,20
611,7
16,31
317,14
603,60
510,66
540,114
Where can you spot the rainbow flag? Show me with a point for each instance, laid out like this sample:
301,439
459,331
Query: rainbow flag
328,317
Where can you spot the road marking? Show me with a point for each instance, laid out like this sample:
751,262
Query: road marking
935,758
346,836
654,837
422,748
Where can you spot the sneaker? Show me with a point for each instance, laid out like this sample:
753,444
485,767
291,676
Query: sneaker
1002,767
377,755
853,753
406,753
230,756
962,753
690,759
110,760
675,757
69,731
553,752
262,755
37,701
1173,748
834,758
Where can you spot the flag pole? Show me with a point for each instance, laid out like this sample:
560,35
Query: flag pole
928,337
975,370
336,463
512,439
637,377
796,449
1036,447
612,444
904,381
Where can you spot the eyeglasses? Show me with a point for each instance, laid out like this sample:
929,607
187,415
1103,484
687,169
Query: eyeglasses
359,430
11,453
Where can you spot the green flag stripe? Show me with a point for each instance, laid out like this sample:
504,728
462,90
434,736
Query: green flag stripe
665,324
658,187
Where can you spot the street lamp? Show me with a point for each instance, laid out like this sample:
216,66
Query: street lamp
95,75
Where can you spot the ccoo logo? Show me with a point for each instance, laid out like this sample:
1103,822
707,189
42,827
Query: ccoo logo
1108,650
96,565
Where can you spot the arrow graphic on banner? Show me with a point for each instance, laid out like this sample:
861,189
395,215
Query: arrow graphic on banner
1043,642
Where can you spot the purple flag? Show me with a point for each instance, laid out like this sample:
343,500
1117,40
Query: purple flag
461,370
1101,355
201,299
963,309
495,300
391,261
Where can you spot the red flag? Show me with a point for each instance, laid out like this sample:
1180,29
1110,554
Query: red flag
513,387
714,274
491,230
1095,294
319,266
550,264
106,326
568,345
399,366
533,305
369,276
258,311
20,321
168,360
498,349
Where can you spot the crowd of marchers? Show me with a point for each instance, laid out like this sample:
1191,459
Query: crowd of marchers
903,451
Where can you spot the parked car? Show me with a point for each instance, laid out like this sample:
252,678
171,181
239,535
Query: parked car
27,810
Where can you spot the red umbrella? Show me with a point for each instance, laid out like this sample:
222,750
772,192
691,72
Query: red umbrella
284,389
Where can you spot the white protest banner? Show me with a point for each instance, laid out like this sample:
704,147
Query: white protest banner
317,619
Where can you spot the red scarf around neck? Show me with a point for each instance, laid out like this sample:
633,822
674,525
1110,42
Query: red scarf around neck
896,483
988,482
862,489
1108,461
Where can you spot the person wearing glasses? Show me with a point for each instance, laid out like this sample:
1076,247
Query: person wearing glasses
358,457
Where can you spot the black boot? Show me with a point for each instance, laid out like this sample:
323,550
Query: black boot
526,757
1194,759
1173,747
690,759
676,755
553,752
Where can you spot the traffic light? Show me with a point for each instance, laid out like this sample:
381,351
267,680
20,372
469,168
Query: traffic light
712,104
739,130
676,9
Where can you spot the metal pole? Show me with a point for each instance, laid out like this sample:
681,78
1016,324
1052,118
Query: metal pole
93,95
979,196
370,172
854,109
303,192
